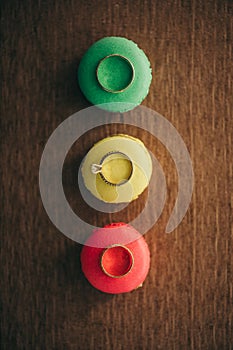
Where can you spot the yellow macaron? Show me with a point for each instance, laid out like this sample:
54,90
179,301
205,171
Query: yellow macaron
117,169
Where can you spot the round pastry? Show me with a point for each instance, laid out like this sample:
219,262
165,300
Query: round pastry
118,267
117,169
113,70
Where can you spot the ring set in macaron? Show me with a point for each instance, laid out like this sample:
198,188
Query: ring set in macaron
115,75
117,169
114,70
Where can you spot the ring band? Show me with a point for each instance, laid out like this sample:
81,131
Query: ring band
109,89
98,168
126,270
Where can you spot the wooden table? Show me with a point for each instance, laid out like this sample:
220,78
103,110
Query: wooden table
186,301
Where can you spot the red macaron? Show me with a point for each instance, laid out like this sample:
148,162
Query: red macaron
115,258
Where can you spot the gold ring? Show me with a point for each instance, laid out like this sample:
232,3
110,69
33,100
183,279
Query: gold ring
127,269
110,156
109,89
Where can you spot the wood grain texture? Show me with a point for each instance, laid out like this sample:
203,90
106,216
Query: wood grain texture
186,301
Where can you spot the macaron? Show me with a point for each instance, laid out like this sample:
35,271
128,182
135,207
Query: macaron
115,259
117,169
113,70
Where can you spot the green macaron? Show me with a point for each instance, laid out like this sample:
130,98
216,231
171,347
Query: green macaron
115,70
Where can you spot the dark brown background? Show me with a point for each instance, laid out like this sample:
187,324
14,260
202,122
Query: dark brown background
186,301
